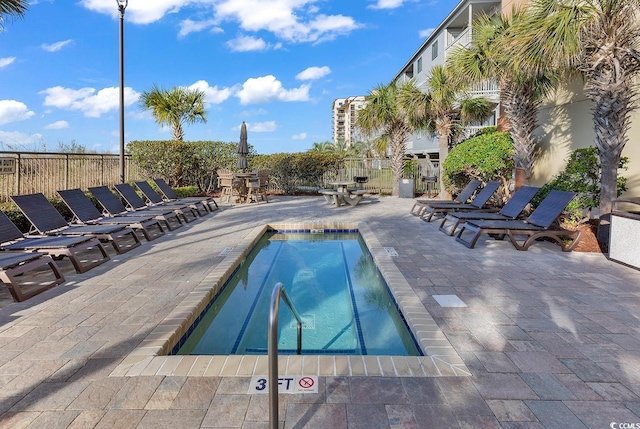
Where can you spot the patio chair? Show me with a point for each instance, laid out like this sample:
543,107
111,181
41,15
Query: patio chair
536,226
478,202
78,248
259,187
46,220
135,202
155,199
170,195
113,207
511,210
85,212
14,267
230,187
462,197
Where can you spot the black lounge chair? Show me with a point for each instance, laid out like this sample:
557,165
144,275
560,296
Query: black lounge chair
114,207
85,212
14,267
170,195
511,210
77,248
155,199
462,197
46,220
478,203
135,202
537,225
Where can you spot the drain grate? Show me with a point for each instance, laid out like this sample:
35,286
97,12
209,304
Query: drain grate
391,251
226,251
449,301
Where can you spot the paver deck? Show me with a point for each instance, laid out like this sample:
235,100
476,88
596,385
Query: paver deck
551,339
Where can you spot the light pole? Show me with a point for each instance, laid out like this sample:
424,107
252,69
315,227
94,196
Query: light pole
122,5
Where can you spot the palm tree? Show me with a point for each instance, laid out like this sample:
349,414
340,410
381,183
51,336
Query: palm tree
442,103
12,9
384,117
601,40
175,107
487,58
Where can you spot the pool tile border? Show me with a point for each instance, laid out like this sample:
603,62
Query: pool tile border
150,357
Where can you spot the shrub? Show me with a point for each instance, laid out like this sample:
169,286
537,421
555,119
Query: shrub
484,157
582,176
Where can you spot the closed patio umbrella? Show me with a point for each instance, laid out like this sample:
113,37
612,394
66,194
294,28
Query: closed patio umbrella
243,148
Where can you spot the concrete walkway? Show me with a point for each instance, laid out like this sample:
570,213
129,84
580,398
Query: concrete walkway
552,339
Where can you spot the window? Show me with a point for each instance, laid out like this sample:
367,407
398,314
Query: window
434,50
419,64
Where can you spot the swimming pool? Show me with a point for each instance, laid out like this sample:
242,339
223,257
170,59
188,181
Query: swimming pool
333,282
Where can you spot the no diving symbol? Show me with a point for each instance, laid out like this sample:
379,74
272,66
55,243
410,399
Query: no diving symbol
306,382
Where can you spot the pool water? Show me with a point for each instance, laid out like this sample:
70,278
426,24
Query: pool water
333,283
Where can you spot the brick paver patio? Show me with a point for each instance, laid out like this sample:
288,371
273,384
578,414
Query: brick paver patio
551,339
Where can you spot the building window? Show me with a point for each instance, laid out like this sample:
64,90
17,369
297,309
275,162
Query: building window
419,64
434,50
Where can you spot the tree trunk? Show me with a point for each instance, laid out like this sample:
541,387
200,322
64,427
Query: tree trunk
443,150
398,144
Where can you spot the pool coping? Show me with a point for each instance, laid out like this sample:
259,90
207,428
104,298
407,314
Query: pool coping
151,356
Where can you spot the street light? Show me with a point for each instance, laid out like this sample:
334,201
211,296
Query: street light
122,5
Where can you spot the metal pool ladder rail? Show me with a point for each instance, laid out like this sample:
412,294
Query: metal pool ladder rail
274,311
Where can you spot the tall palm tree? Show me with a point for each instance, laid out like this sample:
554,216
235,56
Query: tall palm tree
601,40
385,118
12,9
488,58
442,103
175,107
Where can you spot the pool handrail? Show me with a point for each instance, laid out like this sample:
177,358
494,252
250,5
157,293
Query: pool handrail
274,311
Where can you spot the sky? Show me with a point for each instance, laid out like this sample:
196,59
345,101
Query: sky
275,64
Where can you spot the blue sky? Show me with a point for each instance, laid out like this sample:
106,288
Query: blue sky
275,64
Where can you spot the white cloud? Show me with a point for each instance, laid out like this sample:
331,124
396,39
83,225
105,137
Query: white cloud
57,125
425,33
91,103
54,47
267,88
262,127
13,111
301,136
14,140
387,4
250,43
291,20
313,73
213,95
6,61
189,26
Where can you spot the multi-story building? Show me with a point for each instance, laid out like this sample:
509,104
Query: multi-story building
345,113
454,31
565,118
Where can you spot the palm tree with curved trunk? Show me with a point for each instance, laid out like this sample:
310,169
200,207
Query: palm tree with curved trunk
521,93
385,118
12,9
175,107
443,104
601,40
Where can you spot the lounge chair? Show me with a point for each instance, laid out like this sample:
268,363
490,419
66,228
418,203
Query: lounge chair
76,248
155,199
478,203
15,265
536,226
511,210
114,207
46,220
85,212
170,195
462,197
135,202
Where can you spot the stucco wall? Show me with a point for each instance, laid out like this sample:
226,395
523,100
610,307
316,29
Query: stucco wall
566,124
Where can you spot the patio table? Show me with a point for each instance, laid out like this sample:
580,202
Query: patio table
244,179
